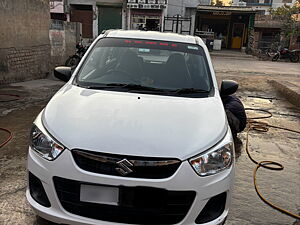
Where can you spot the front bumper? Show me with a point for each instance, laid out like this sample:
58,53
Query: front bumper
185,179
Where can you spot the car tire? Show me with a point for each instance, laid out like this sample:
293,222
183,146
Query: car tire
72,61
275,58
294,58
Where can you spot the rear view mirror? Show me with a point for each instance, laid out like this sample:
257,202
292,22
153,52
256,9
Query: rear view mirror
228,87
63,73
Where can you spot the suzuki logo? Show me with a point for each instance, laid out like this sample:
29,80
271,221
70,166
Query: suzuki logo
123,168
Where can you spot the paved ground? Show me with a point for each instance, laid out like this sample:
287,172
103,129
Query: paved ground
282,187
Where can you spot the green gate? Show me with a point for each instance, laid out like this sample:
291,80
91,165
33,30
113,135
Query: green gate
110,17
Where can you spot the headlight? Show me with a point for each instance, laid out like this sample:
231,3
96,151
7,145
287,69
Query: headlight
44,144
213,162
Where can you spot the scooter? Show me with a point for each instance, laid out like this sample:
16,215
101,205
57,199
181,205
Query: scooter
284,53
73,60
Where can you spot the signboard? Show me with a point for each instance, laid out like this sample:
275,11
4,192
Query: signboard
160,2
56,7
221,13
147,4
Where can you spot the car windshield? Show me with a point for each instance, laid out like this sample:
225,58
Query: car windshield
158,67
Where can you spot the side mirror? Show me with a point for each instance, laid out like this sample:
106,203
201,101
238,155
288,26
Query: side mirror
63,73
228,87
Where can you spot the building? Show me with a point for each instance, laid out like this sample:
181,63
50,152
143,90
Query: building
264,5
57,10
186,10
266,34
228,26
146,14
183,7
97,15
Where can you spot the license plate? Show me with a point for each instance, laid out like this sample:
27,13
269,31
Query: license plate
99,194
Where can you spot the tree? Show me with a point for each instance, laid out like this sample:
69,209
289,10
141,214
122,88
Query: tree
290,26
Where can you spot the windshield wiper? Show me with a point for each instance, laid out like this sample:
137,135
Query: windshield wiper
129,86
190,91
138,87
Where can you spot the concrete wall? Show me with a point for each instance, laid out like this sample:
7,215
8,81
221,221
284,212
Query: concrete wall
24,40
63,38
267,21
179,6
185,8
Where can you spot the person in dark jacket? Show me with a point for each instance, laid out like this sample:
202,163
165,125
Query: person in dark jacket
236,114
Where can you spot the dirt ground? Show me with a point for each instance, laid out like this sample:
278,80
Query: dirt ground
282,188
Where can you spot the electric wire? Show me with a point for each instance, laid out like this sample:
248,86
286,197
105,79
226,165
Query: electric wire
9,137
16,97
254,125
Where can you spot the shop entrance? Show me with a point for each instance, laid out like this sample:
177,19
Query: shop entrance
146,20
238,32
178,24
109,18
219,28
227,27
152,24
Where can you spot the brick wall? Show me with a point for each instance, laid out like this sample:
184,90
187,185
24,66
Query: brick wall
24,40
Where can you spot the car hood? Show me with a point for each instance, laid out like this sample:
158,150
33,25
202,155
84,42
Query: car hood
134,124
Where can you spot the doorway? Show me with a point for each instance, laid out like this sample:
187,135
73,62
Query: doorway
84,15
109,18
152,24
238,32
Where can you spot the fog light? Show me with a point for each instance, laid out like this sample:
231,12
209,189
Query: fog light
37,191
213,209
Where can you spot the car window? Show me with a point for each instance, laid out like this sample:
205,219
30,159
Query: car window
155,64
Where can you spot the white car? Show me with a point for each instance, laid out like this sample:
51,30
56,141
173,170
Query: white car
137,135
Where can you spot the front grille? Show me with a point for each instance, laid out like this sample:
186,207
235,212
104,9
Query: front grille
137,205
139,167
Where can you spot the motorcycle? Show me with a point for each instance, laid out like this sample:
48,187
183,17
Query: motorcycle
73,60
284,53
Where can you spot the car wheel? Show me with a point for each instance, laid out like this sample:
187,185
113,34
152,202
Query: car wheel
275,58
294,58
72,61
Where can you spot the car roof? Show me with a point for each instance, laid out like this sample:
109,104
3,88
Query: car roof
153,35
